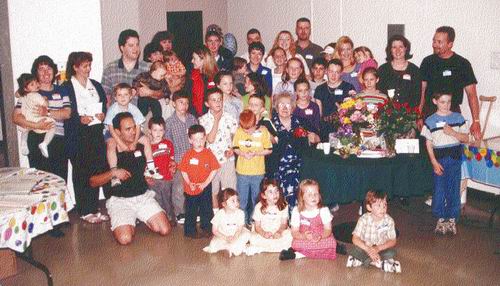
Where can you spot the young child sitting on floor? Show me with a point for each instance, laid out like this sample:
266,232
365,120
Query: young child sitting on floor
311,226
271,232
228,225
374,236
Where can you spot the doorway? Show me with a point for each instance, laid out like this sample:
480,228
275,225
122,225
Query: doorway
187,27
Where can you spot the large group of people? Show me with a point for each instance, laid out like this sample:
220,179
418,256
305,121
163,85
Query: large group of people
222,137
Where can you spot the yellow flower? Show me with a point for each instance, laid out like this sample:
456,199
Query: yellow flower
347,120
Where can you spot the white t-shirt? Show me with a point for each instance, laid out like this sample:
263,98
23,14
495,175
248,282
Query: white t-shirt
324,212
270,221
228,224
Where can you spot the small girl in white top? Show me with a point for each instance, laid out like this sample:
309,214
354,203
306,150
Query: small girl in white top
228,225
271,232
30,101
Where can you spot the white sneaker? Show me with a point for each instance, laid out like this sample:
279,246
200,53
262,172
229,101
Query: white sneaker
115,182
429,201
353,262
153,173
43,149
391,266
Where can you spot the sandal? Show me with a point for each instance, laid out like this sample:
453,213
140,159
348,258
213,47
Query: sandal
91,218
102,217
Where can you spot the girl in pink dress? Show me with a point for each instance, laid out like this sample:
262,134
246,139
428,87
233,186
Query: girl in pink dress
311,225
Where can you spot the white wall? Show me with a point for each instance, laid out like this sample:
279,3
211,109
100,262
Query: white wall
54,28
365,21
150,16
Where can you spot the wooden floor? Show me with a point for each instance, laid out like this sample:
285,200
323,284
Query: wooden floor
88,255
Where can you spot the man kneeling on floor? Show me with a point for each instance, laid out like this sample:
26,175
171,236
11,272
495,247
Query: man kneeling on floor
130,200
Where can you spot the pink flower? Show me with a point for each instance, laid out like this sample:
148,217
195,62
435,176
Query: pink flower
356,116
342,112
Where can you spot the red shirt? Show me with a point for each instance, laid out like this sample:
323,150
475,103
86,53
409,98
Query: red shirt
163,154
198,91
198,166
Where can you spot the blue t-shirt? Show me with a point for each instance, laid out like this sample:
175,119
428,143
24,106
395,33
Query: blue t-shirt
330,96
115,109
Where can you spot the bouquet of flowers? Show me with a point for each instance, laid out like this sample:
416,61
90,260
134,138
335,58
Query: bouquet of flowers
352,116
395,120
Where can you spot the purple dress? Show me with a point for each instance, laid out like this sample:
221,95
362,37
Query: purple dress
309,115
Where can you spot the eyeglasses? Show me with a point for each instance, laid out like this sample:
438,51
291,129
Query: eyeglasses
284,105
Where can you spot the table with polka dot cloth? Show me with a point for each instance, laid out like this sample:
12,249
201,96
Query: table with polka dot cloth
25,214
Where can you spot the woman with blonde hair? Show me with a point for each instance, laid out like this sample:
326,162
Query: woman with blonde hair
285,40
344,52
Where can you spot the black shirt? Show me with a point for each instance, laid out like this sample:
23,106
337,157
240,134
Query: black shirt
406,83
329,96
135,163
450,75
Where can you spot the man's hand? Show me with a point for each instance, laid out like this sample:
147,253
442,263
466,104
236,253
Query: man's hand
475,130
121,174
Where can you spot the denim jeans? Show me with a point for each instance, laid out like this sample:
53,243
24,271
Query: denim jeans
201,205
248,186
446,198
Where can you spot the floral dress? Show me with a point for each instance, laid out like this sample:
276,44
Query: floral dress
288,158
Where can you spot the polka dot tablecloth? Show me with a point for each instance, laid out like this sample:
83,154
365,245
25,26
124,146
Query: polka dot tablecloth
481,165
24,214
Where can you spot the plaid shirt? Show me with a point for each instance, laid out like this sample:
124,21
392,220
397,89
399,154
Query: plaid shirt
177,132
375,232
115,73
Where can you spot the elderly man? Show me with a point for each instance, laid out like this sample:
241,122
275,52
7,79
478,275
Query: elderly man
447,72
305,47
127,67
131,200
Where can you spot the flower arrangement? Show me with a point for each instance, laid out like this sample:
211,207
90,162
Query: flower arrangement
395,120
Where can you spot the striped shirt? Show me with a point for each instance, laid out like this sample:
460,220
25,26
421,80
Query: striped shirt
433,129
372,98
115,73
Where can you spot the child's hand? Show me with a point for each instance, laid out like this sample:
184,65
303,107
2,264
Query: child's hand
230,238
352,92
193,186
228,153
277,235
448,130
438,169
372,252
309,235
267,234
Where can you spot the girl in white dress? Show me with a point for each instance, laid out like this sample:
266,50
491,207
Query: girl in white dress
271,232
228,225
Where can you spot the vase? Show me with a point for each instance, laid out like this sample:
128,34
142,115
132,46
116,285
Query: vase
390,145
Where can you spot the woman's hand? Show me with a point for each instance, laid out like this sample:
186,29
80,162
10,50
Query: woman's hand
267,234
85,119
438,168
100,116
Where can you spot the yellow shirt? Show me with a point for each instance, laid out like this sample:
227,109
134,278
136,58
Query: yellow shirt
258,141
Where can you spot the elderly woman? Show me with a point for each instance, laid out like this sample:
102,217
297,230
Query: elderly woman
293,137
285,40
350,72
398,74
84,139
58,108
